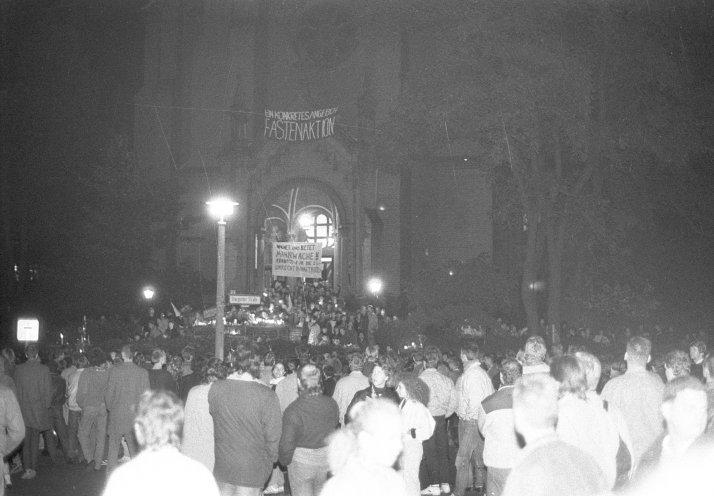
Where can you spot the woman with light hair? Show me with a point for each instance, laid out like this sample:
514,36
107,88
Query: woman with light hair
581,423
160,468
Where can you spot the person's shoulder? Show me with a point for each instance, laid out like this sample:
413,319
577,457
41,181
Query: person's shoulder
363,393
5,390
614,384
499,400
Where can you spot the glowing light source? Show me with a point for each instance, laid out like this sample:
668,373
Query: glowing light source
374,285
305,221
220,208
148,293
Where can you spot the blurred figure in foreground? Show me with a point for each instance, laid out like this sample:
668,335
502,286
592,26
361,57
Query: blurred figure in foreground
12,428
362,454
547,466
160,468
684,407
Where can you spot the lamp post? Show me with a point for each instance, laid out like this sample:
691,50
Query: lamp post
374,286
220,208
148,293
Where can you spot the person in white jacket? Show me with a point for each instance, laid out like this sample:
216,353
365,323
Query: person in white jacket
418,427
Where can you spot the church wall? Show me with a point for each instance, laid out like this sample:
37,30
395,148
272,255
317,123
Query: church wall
451,213
224,70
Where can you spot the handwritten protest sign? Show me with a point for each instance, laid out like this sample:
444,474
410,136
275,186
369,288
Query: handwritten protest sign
300,126
297,260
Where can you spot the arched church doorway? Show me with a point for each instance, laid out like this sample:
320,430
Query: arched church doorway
301,211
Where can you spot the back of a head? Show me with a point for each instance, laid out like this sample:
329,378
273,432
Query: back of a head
198,363
510,370
679,384
81,361
638,350
356,362
159,420
415,387
470,348
534,351
567,371
31,351
309,380
535,401
97,357
127,352
158,356
213,370
592,367
245,361
684,408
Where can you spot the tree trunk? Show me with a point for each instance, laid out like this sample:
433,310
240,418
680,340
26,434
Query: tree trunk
530,270
555,235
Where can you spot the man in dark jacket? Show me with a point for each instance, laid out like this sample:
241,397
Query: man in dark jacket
34,393
125,385
161,379
59,396
247,426
307,423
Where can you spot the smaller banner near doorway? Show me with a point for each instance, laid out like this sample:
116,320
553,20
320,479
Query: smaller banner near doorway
300,126
297,260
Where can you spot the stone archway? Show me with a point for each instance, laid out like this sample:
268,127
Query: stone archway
301,209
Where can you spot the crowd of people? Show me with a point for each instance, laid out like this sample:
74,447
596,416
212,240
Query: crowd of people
360,421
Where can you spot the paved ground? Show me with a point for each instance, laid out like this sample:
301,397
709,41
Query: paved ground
58,480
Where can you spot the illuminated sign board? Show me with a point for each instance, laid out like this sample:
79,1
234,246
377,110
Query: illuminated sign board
28,329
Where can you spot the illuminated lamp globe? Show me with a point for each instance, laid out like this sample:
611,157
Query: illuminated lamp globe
220,208
374,285
305,221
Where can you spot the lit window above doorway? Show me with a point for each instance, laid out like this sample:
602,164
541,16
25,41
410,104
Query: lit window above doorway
318,228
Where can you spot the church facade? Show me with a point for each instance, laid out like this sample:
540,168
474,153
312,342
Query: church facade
276,104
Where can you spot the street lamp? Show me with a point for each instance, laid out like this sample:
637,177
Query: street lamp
374,286
148,293
220,208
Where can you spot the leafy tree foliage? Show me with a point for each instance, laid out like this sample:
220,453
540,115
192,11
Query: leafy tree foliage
571,104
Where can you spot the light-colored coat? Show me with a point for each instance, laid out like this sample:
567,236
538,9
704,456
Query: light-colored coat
12,428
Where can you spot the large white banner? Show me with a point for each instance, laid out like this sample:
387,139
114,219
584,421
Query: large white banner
300,126
297,260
